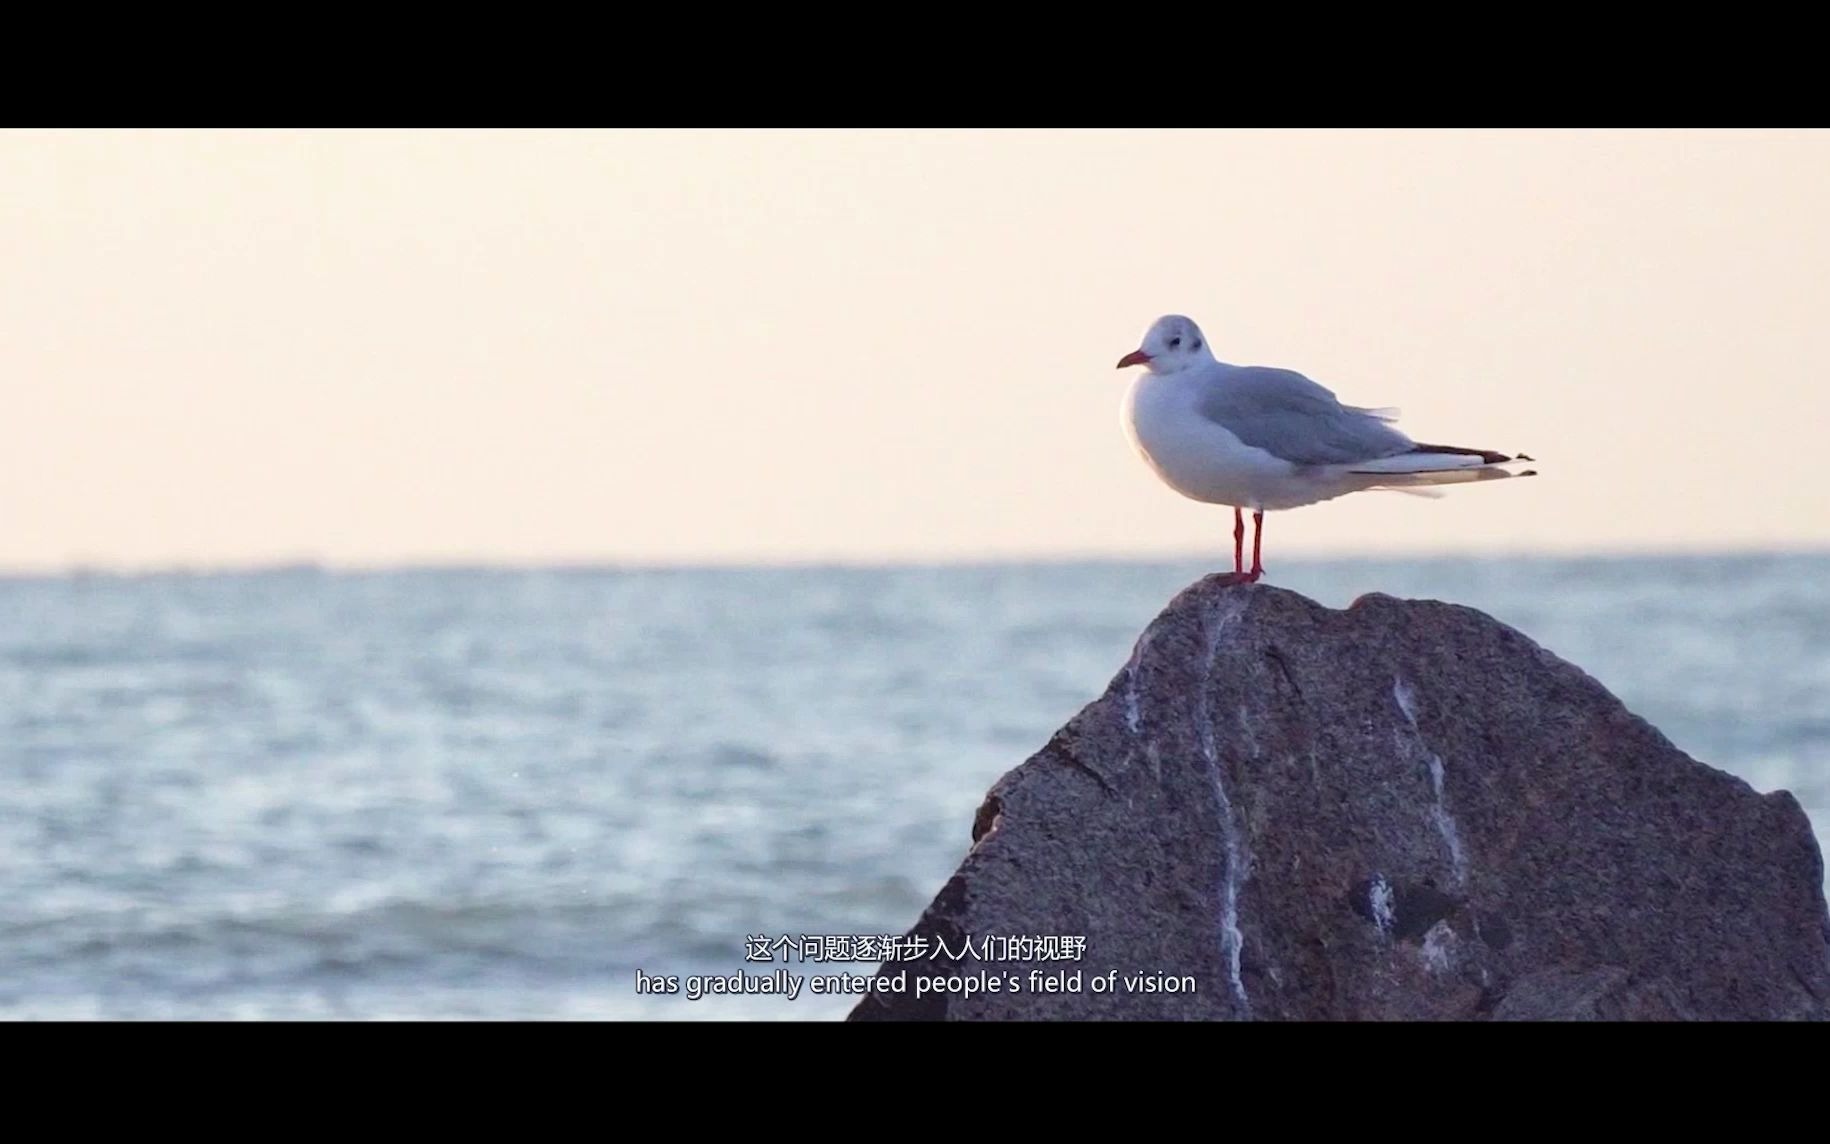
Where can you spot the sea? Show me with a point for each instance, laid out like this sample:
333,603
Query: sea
549,794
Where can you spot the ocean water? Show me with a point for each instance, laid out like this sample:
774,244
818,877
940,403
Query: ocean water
501,794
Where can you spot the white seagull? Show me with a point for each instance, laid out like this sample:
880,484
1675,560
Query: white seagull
1267,439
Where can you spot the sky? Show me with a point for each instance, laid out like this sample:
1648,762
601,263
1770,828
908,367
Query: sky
374,348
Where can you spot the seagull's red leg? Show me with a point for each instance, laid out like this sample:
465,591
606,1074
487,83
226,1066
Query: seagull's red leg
1239,575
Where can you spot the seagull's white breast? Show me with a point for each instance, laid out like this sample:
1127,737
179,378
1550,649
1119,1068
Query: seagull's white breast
1195,456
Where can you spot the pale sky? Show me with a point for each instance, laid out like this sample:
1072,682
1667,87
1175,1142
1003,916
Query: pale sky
382,347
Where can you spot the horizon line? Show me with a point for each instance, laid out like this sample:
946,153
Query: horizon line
279,565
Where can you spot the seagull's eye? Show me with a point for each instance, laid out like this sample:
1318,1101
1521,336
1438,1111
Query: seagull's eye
1174,342
1195,345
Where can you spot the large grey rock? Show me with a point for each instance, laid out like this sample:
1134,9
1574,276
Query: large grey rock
1403,809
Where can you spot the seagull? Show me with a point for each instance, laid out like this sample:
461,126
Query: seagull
1265,439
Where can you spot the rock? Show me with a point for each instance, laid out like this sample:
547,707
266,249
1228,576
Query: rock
1400,810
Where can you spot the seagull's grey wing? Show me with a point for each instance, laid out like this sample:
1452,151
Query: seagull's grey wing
1292,417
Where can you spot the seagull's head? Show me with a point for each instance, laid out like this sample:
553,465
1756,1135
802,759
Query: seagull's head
1171,343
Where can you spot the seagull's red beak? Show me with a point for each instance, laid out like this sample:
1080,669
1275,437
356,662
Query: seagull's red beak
1135,357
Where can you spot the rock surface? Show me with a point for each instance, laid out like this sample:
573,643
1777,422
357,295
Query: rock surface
1400,810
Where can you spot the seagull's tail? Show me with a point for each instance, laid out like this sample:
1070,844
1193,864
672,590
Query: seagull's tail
1427,465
